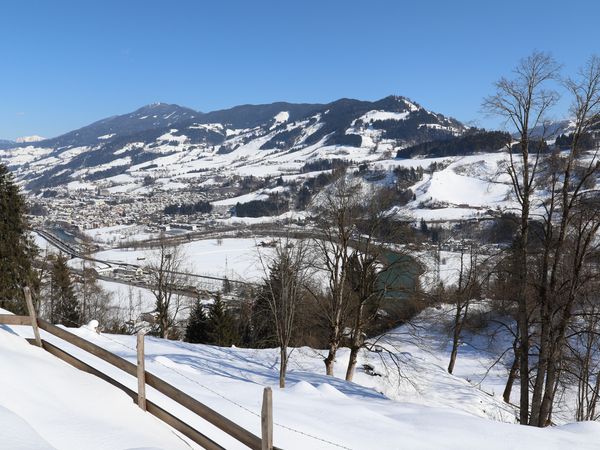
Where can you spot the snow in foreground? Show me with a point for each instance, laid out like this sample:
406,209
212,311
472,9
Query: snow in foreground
434,410
47,404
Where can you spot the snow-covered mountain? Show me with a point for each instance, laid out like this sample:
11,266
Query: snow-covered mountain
552,129
26,139
256,139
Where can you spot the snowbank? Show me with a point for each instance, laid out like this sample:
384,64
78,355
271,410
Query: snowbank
47,404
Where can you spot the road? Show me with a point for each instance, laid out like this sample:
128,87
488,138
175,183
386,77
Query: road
211,284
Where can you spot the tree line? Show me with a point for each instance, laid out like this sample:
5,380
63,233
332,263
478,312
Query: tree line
188,209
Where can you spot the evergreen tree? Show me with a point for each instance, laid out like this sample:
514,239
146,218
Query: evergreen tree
303,198
197,329
17,249
243,322
221,326
64,305
263,325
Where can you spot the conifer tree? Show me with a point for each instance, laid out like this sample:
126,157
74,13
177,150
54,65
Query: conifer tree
221,326
64,305
17,249
263,325
196,331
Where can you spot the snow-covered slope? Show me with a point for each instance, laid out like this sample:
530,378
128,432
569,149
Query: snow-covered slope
461,187
426,408
47,404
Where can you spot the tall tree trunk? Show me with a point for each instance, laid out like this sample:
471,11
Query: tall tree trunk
458,324
591,415
551,381
356,343
523,313
354,349
547,415
512,375
538,388
546,286
330,359
458,316
334,334
283,362
165,329
352,362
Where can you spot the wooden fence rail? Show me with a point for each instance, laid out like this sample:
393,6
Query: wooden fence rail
9,319
219,421
151,407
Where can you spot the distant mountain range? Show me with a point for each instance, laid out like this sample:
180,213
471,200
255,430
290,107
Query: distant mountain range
242,136
26,139
5,143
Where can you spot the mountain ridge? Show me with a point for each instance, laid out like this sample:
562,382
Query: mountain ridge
259,134
6,143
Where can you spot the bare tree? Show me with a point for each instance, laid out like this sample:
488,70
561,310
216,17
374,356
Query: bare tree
373,267
42,297
501,290
88,278
463,295
287,273
97,299
583,356
570,224
165,265
524,102
336,211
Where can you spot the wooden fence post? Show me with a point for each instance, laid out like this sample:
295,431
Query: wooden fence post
141,371
266,420
31,309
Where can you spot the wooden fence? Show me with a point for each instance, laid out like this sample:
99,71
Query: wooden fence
250,440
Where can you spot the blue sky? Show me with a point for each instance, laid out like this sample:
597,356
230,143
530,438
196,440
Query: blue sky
65,64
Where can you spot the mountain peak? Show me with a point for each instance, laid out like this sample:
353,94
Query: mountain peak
161,108
398,102
394,97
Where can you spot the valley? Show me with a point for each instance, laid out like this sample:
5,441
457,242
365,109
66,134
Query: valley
170,222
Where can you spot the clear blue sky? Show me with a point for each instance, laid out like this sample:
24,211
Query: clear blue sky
65,64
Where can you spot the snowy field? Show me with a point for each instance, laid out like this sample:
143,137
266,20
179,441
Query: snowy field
449,268
425,408
46,404
129,297
120,234
234,258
